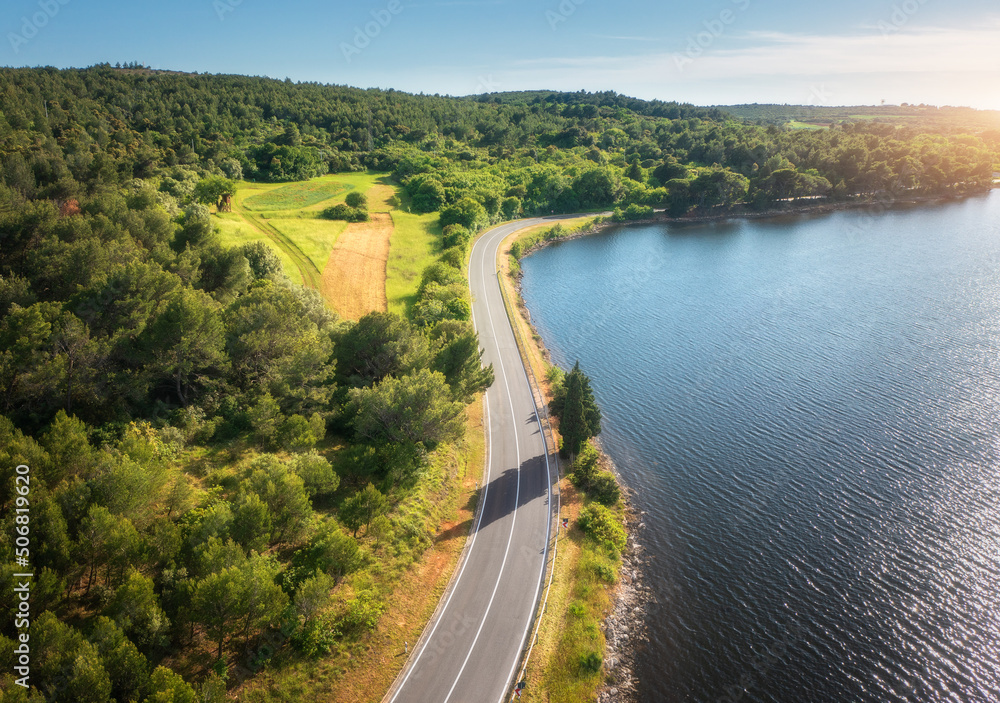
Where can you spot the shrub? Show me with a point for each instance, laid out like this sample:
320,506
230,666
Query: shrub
604,488
586,475
466,212
455,236
604,572
442,274
591,662
264,262
602,525
426,192
194,424
356,200
343,211
298,433
331,551
316,473
361,615
585,468
636,211
632,212
437,303
315,636
454,257
555,375
510,207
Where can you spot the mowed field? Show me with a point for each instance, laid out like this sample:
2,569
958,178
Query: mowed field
415,245
354,277
358,267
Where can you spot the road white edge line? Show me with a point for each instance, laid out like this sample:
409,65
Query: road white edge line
517,499
548,491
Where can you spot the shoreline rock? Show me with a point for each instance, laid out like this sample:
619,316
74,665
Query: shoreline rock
625,627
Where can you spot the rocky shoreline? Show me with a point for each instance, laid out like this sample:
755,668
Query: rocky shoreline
624,627
625,630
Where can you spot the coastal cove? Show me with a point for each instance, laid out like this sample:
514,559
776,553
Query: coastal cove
805,408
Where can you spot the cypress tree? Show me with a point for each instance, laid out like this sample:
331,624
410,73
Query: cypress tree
580,418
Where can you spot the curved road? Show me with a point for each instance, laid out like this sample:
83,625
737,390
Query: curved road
469,651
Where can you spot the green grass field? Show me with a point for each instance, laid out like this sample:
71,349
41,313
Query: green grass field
234,232
304,196
795,124
415,245
315,237
295,196
361,181
285,216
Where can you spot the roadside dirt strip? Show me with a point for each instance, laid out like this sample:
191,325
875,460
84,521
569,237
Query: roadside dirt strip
354,277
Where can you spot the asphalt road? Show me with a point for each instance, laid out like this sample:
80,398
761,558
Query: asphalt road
470,649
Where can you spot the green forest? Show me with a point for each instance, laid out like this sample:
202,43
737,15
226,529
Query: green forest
215,456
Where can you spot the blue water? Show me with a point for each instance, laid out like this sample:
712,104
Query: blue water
808,411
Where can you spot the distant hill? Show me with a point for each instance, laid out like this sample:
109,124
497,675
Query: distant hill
606,99
929,117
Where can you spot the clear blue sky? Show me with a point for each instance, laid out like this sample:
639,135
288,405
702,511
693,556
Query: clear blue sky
719,52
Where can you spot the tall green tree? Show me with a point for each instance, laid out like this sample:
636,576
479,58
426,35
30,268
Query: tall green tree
136,609
242,599
70,665
108,540
188,341
128,669
579,416
416,408
316,473
168,687
459,357
466,212
719,186
69,448
215,190
363,507
283,491
217,605
380,344
276,344
262,598
330,551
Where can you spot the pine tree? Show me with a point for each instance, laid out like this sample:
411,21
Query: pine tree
580,418
635,172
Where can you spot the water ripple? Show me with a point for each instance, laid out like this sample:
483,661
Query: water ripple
811,422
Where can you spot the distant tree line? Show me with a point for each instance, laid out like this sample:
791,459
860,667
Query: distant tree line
534,152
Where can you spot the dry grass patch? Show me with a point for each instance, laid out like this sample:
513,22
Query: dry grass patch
354,278
381,198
